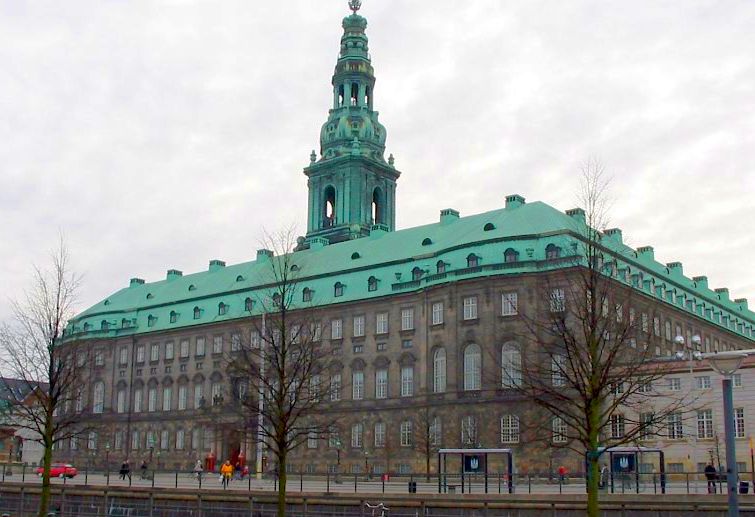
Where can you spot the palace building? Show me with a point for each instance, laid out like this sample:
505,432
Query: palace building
423,317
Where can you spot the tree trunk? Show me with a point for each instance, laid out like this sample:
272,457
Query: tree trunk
44,497
593,461
427,467
281,486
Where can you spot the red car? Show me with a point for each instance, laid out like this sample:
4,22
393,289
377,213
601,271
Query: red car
59,470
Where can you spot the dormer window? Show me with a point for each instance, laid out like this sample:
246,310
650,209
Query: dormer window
277,300
197,313
222,309
240,278
151,320
510,255
552,252
440,267
306,295
87,327
427,241
338,289
173,316
416,274
125,323
488,227
248,305
473,260
150,296
104,325
372,284
192,287
355,255
294,267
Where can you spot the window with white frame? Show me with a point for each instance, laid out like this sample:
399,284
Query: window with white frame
381,323
154,353
618,426
736,380
169,351
509,429
560,432
645,322
557,300
180,439
509,304
657,326
315,331
99,358
472,368
702,382
558,364
674,384
92,440
183,396
469,431
359,326
407,318
98,400
379,434
183,349
511,366
335,387
470,308
647,423
164,439
152,399
140,354
217,344
235,342
216,391
312,440
357,385
196,438
254,338
406,433
198,395
357,430
407,381
135,440
674,426
167,397
118,440
138,400
123,355
436,432
739,422
705,423
121,401
437,313
439,370
381,383
336,329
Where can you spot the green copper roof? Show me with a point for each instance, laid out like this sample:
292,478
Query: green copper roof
391,257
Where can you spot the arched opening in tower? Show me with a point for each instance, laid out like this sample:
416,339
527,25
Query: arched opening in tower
354,94
340,96
367,101
329,207
377,206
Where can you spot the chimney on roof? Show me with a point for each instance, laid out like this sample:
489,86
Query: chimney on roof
723,293
173,274
615,234
577,214
216,264
742,302
514,201
701,281
675,268
134,282
264,254
448,215
646,252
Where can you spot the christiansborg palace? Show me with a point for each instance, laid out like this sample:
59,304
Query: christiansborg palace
424,317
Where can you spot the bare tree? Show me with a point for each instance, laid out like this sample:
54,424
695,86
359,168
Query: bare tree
277,374
592,362
428,436
32,353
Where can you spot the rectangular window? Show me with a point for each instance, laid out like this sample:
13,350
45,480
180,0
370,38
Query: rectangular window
140,354
359,326
167,396
705,424
736,380
356,435
647,421
235,342
196,438
121,401
702,383
152,400
407,319
406,343
509,429
311,440
436,432
180,439
470,308
557,300
674,426
200,347
335,387
381,384
407,381
138,402
164,439
558,363
183,347
357,385
169,351
381,323
123,360
254,339
217,344
406,433
118,439
198,396
437,313
380,434
617,426
183,395
739,422
559,430
509,304
674,384
315,330
99,358
135,440
154,353
657,326
217,393
645,322
336,329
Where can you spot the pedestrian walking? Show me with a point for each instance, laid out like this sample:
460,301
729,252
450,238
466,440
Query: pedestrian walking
144,468
198,470
125,470
710,475
226,471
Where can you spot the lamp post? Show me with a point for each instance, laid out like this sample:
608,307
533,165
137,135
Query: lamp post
726,363
693,345
107,460
151,447
367,464
338,460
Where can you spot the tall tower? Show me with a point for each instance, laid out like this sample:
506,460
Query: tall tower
351,187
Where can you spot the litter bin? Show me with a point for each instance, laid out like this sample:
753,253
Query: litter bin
412,487
744,487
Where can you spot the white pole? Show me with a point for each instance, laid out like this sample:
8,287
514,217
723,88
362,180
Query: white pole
261,397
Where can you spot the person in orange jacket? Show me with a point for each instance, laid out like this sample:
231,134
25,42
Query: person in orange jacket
226,471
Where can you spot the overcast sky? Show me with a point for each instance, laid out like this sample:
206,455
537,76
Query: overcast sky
163,134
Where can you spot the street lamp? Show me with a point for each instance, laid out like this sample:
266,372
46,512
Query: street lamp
151,447
338,459
367,464
107,460
726,363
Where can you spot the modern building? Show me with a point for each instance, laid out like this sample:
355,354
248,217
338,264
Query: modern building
423,317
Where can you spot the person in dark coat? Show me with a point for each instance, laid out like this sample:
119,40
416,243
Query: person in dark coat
125,470
710,475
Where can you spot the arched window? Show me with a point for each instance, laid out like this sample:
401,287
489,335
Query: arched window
355,255
440,267
151,320
377,207
173,316
197,313
427,241
306,295
338,289
87,327
329,206
510,255
473,260
104,325
248,304
240,278
439,370
488,227
472,368
372,284
509,429
511,366
552,252
192,287
469,434
222,309
98,399
416,274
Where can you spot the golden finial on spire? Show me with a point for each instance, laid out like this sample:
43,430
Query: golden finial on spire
355,5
